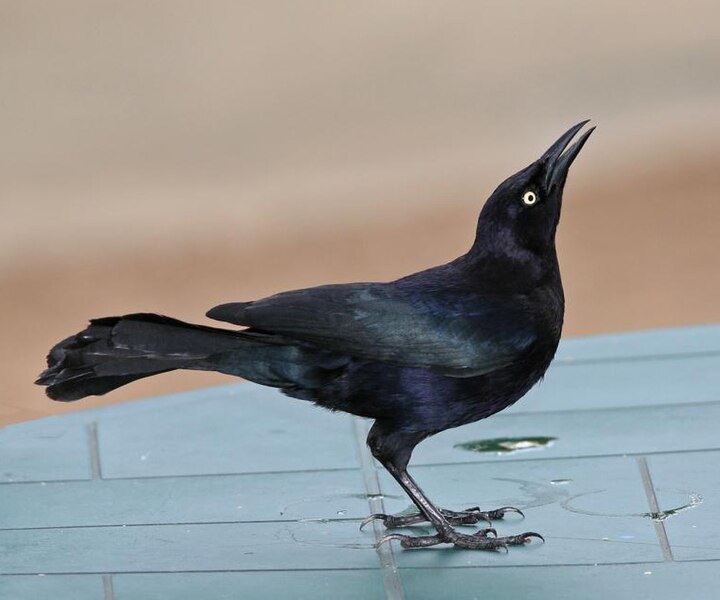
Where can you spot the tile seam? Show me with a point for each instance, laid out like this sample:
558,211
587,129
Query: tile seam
94,451
108,593
345,569
347,469
391,577
177,524
654,507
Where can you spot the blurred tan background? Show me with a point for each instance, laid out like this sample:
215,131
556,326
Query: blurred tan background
168,156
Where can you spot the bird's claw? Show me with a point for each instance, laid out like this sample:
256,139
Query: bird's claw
499,513
372,518
469,516
479,540
528,535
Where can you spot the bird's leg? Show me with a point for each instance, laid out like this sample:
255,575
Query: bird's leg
481,540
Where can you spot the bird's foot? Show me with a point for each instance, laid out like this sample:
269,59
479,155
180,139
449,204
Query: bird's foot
479,540
469,516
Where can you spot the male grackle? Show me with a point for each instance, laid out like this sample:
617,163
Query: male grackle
437,349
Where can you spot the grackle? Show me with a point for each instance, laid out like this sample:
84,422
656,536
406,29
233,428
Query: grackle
437,349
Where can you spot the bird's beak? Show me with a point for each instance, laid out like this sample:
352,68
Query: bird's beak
558,163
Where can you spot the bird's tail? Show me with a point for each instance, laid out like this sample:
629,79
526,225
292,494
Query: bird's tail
114,351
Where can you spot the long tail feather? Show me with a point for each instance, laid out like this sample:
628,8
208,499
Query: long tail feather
114,351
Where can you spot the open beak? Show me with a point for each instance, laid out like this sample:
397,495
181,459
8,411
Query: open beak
557,163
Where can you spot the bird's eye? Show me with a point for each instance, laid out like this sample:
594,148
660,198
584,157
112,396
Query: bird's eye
529,198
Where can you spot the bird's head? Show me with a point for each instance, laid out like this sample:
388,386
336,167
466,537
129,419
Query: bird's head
522,214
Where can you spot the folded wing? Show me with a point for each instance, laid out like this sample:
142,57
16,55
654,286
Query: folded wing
456,333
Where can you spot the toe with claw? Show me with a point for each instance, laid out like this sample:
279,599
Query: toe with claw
469,516
477,541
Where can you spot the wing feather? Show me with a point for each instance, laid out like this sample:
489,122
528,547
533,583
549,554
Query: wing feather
456,333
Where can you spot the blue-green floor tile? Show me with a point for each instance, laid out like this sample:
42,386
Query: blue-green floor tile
590,511
57,587
44,450
252,430
622,384
315,585
644,581
651,342
583,433
203,499
688,485
215,547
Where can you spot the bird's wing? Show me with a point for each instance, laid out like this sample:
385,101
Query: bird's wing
457,334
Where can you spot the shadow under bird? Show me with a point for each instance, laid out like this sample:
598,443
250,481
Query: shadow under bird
437,349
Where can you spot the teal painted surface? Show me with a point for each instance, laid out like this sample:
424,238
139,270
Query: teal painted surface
48,449
659,342
250,430
57,587
202,499
620,384
204,547
585,433
652,581
318,585
239,492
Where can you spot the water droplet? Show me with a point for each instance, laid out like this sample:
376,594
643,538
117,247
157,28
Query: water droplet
560,481
694,500
647,573
341,513
143,457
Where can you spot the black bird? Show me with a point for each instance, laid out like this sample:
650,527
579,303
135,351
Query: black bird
437,349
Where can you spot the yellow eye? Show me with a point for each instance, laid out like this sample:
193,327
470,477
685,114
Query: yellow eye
529,198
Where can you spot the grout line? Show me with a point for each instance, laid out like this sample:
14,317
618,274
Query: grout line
94,450
416,465
179,524
108,587
346,569
43,481
654,507
498,460
391,578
